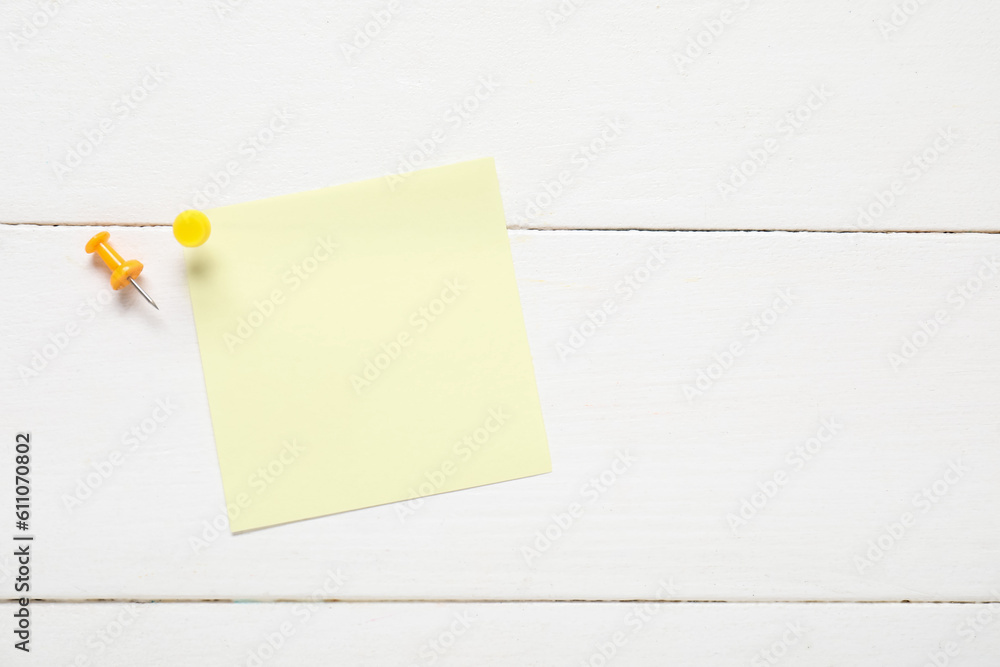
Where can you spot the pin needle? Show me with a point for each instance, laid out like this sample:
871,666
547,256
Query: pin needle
143,293
120,269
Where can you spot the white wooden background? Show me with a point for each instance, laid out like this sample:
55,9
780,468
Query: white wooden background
900,123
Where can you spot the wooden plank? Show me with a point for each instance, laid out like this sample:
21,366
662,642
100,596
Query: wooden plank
829,107
655,475
502,634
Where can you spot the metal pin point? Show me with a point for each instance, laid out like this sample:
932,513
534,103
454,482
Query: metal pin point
121,270
143,293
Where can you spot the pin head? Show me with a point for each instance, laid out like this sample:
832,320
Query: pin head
191,228
98,239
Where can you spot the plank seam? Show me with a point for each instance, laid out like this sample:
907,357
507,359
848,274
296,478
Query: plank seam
585,229
472,601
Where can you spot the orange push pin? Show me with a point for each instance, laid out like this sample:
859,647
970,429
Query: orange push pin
121,271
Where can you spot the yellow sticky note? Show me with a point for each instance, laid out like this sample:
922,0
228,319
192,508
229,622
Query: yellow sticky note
364,344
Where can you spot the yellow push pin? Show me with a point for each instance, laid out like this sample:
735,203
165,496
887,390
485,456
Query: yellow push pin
191,228
121,271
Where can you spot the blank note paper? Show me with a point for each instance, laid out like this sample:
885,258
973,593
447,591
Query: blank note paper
364,344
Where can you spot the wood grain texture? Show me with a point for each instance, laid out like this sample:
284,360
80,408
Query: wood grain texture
514,634
655,475
91,135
